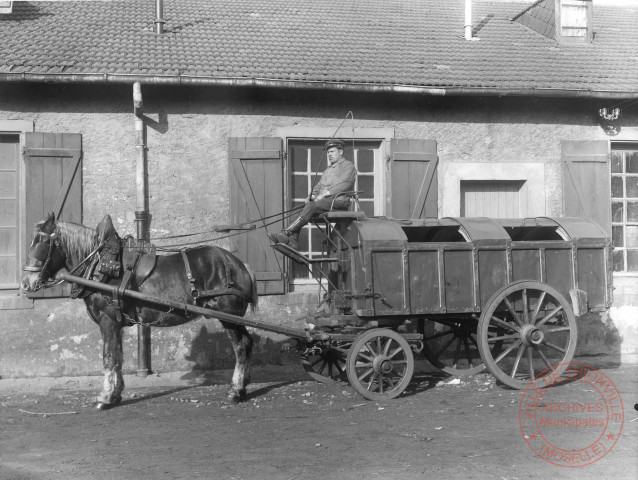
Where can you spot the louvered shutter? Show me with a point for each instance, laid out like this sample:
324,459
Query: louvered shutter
256,191
53,184
414,185
586,185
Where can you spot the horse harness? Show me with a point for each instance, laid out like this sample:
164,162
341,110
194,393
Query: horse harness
217,292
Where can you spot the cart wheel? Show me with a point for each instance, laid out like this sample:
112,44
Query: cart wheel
452,347
328,366
537,331
380,364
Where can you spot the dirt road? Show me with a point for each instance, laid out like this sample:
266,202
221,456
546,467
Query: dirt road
290,428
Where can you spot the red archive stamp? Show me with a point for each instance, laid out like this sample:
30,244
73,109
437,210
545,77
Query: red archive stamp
577,421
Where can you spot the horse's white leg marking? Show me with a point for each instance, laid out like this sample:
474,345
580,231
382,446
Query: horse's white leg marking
113,358
242,346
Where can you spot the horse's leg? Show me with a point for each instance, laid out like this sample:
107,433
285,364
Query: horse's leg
112,357
243,346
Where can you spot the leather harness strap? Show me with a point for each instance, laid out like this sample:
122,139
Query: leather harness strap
217,292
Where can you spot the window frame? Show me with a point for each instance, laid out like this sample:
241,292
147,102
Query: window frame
11,299
588,4
288,134
621,146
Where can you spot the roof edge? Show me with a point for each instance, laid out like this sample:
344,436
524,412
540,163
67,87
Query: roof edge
105,78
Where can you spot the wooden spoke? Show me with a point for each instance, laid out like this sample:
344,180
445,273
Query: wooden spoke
555,347
516,344
530,361
503,337
510,307
542,355
549,316
557,329
525,307
517,361
541,299
504,324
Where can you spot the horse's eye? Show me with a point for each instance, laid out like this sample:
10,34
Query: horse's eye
41,251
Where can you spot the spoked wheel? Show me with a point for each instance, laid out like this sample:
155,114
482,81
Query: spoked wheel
380,364
329,365
537,333
451,346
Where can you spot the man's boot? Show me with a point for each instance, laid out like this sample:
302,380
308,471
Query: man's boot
288,236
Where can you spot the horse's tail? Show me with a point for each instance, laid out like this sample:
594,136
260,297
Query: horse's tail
254,298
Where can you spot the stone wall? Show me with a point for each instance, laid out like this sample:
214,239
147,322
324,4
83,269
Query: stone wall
187,137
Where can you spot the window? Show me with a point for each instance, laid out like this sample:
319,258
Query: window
306,162
10,262
575,18
624,207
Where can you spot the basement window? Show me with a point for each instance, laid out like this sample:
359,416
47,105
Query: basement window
575,19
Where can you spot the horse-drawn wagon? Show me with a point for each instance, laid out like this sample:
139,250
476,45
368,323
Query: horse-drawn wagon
469,292
500,293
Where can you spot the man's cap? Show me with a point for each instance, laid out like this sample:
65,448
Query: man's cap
334,143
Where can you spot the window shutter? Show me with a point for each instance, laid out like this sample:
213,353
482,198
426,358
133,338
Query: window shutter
256,191
53,184
586,185
414,187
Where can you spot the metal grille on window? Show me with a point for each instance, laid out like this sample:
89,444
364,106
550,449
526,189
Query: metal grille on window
624,209
307,158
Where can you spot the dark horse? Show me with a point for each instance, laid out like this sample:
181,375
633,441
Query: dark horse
63,244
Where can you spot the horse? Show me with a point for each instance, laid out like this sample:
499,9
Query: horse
64,244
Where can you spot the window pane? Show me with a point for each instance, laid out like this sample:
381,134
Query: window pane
318,238
632,186
365,161
632,260
632,162
617,236
317,159
632,211
616,187
299,186
303,240
366,185
619,260
616,161
299,158
617,212
631,235
299,271
368,208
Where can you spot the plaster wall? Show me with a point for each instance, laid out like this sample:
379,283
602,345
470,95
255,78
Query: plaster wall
187,137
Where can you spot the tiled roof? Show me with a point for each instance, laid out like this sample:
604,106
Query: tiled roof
342,43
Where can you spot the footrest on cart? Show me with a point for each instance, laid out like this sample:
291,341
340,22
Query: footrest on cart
297,256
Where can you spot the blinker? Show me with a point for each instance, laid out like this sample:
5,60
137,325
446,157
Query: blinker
41,251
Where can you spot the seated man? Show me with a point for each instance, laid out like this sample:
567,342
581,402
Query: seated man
339,177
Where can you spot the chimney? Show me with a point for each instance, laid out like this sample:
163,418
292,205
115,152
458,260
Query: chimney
159,16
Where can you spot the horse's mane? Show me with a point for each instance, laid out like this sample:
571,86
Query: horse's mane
77,240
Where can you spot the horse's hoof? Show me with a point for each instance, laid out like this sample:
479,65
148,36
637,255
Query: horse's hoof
102,406
236,398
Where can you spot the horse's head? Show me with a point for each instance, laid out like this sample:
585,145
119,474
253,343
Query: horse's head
45,256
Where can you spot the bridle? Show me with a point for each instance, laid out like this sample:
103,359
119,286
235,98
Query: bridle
44,246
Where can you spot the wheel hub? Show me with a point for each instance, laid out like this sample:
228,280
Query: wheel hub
382,364
532,335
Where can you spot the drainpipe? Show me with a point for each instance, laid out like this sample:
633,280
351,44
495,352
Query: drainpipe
142,218
468,20
159,16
